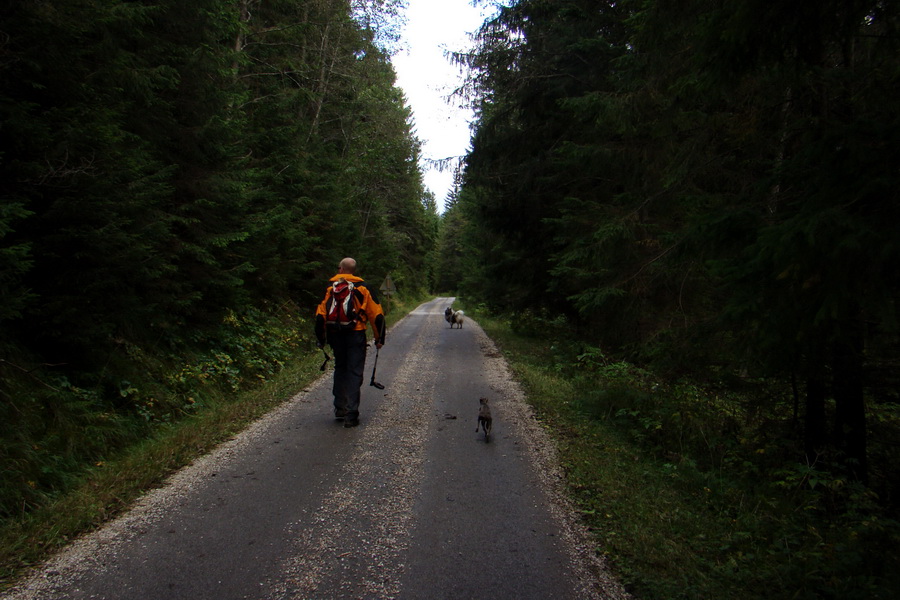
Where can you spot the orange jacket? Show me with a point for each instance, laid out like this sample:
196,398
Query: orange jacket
370,311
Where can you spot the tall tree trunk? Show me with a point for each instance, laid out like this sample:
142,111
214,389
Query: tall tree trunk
814,430
329,58
244,8
850,415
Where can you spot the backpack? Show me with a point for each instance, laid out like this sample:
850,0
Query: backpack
343,305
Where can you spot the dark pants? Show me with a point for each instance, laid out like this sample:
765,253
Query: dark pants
349,362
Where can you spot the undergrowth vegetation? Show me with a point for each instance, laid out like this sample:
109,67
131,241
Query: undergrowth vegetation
695,488
59,422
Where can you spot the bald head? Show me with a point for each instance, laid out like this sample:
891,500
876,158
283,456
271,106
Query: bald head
347,266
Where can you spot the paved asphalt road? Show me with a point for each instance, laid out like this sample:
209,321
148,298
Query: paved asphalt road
410,504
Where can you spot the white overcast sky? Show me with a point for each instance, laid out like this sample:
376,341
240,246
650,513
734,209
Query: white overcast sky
427,78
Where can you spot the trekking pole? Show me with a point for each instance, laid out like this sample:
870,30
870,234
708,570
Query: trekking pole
325,362
374,383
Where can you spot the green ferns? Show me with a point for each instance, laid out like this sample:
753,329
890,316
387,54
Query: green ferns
55,430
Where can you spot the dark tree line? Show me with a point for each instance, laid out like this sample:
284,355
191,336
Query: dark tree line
174,176
703,184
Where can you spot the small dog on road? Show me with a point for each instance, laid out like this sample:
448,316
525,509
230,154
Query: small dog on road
484,419
454,317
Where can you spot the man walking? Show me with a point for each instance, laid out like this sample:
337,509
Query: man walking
341,320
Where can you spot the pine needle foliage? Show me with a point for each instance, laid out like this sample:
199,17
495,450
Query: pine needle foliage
698,197
178,181
697,186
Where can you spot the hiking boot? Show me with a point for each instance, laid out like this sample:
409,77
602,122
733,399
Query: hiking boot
351,423
340,415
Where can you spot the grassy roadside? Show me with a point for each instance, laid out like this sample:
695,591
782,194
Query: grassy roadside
108,488
691,504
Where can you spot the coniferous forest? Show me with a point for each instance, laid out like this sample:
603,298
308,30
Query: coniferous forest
699,185
178,181
705,188
710,189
